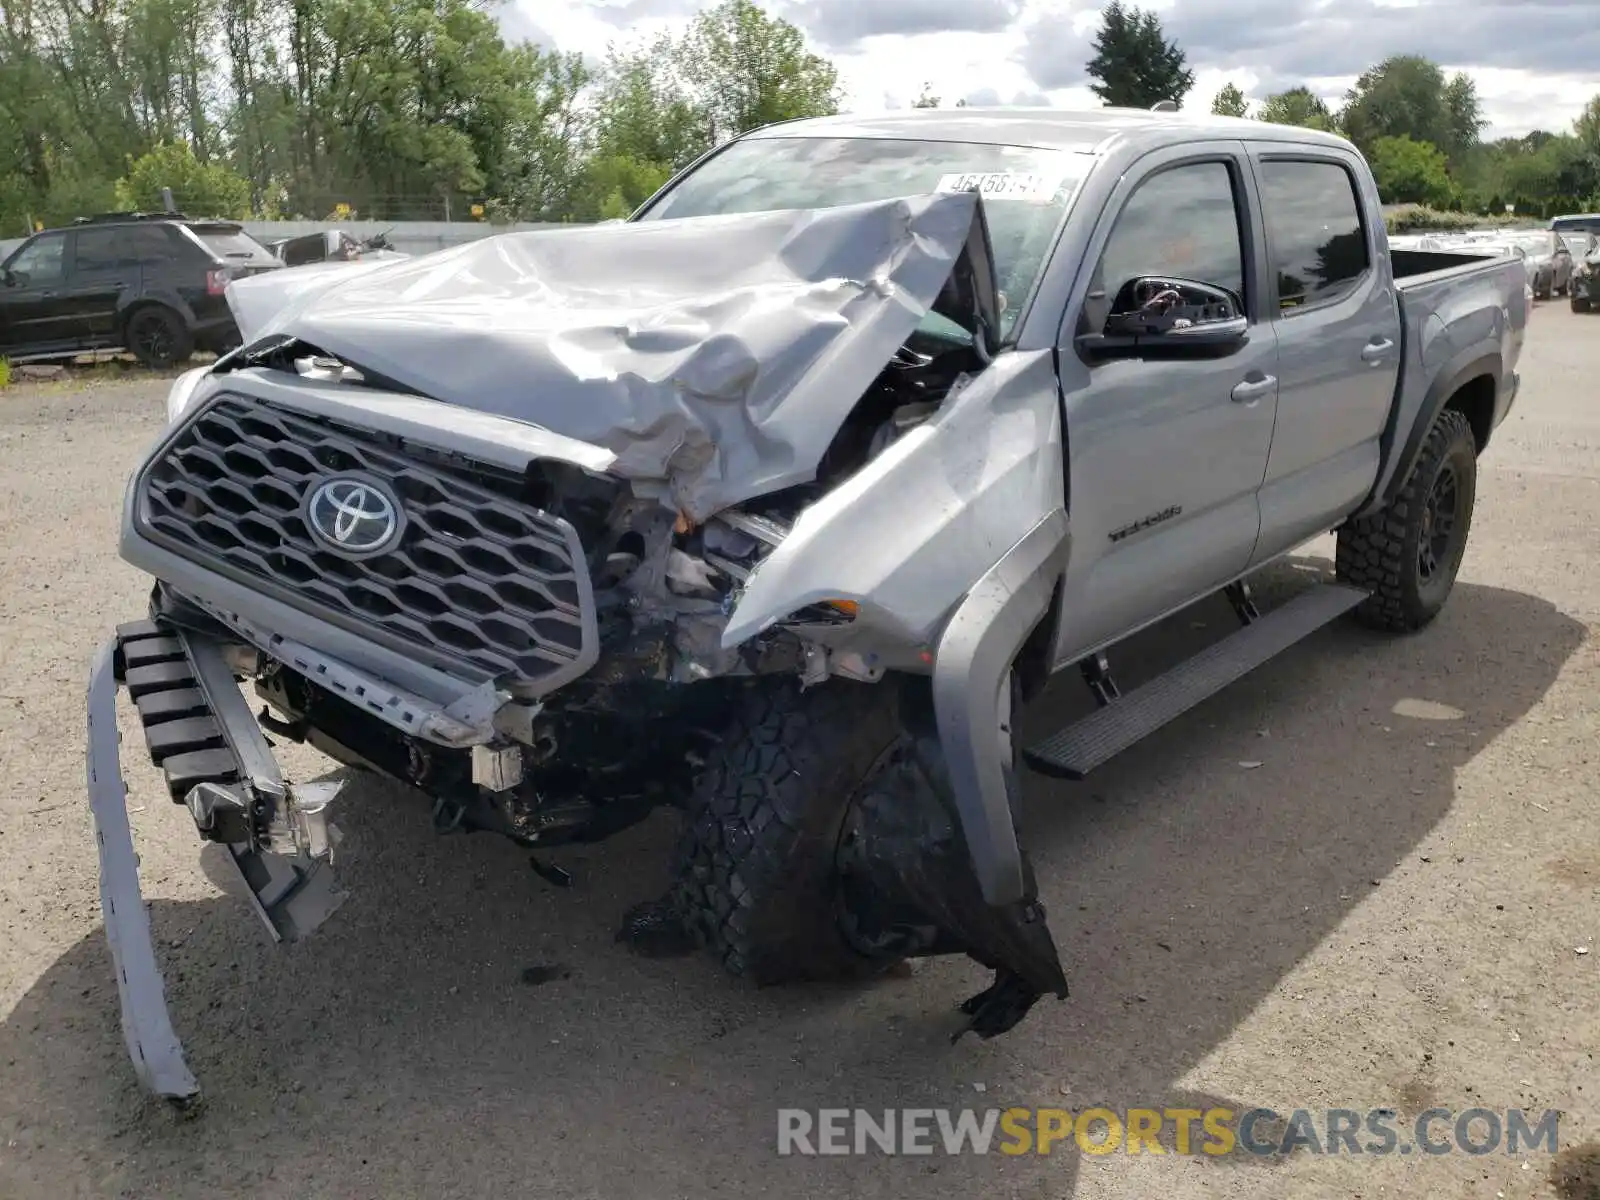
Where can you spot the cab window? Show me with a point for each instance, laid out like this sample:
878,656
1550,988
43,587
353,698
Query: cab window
1180,223
1314,231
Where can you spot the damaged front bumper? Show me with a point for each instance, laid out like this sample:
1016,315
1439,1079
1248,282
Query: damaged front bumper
201,732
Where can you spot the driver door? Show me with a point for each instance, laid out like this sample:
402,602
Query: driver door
1166,456
35,312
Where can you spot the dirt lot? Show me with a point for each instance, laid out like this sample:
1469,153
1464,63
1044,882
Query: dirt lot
1384,912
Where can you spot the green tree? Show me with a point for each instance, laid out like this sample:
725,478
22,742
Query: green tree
612,186
199,189
402,109
745,69
1587,126
1297,106
1411,172
644,111
1230,102
1407,95
1134,65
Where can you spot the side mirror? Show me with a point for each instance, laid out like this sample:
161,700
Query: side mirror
9,277
1163,317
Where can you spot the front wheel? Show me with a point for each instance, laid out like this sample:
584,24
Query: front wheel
756,865
1407,554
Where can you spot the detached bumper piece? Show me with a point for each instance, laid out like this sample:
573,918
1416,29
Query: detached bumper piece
200,731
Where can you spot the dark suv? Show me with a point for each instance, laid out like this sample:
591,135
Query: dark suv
151,283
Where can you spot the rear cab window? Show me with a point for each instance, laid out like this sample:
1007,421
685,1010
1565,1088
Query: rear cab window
1315,235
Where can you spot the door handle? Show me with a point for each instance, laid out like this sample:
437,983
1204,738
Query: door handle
1377,351
1248,390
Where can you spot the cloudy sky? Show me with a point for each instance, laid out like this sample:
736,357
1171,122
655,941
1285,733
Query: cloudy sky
1535,62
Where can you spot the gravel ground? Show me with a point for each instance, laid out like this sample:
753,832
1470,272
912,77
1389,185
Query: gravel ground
1384,912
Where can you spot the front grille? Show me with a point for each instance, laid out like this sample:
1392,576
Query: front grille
477,576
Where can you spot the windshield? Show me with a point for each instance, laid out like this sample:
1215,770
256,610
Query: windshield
1026,190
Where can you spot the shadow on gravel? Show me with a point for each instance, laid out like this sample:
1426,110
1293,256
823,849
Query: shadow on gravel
461,1028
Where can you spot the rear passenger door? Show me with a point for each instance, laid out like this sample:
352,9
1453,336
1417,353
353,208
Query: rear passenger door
100,273
1338,325
1165,456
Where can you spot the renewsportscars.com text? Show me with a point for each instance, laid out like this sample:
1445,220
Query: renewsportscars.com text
1183,1131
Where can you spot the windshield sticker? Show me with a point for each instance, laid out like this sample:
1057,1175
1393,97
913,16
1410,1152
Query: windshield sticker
1004,185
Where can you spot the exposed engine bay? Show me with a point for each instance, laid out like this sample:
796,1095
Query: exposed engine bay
663,588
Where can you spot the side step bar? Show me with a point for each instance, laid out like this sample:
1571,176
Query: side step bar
1079,748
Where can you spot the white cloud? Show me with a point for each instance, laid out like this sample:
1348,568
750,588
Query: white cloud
884,70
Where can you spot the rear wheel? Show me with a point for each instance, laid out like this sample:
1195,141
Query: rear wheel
1407,555
1580,304
756,869
157,337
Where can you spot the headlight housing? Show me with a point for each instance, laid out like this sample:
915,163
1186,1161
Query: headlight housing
182,394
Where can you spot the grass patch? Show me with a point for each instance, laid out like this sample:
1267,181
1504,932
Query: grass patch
88,371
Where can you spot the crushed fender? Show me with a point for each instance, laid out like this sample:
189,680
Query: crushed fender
908,889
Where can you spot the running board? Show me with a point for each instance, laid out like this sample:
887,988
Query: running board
1079,748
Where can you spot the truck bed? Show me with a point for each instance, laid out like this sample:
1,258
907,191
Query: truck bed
1413,268
1451,303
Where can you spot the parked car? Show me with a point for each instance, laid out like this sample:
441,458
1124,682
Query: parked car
332,245
1584,292
775,503
149,283
1576,223
1549,262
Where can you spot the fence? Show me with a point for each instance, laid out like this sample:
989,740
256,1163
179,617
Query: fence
408,237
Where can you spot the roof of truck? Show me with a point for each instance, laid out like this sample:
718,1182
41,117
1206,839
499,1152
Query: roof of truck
1085,130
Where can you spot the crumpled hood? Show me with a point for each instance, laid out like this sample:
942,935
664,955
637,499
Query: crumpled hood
716,357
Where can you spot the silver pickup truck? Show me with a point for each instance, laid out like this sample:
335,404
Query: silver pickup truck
773,504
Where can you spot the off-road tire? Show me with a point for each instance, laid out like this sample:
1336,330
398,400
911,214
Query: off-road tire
157,336
1580,304
1380,552
755,865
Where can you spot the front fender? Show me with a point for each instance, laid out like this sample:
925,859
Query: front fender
912,532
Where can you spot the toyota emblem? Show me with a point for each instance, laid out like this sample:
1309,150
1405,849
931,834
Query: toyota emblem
353,516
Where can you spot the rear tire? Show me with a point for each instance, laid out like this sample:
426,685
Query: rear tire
756,874
158,337
1580,304
1408,554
